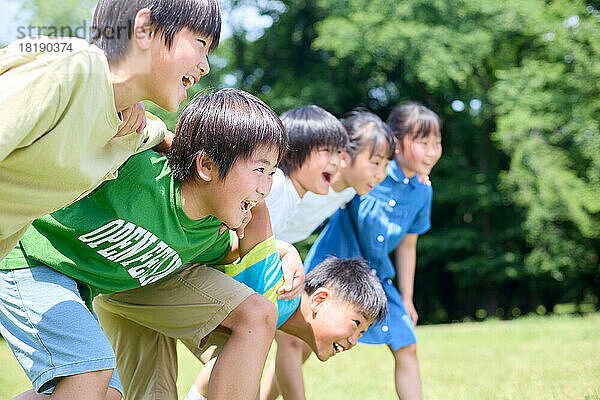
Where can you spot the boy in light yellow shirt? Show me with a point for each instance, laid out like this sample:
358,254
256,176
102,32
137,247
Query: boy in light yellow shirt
61,100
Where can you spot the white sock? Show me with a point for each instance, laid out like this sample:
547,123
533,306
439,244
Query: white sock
194,395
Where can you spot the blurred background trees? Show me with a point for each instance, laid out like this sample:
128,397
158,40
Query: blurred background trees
516,214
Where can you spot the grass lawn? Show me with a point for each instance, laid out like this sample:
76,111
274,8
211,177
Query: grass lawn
529,358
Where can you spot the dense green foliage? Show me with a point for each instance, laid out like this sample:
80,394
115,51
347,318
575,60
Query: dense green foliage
516,215
516,219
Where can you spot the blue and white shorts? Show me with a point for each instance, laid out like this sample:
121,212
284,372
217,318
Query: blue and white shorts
49,328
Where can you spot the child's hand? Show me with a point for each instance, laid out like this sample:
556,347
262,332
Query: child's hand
134,119
411,310
293,271
163,147
424,179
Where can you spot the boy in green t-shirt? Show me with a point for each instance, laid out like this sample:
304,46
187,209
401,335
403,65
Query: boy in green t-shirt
63,99
135,232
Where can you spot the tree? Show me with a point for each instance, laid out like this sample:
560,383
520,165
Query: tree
495,243
549,123
516,193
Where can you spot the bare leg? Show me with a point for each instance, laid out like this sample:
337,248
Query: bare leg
408,376
285,375
86,386
269,387
203,377
237,371
288,366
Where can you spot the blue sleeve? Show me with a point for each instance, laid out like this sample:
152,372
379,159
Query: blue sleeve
422,221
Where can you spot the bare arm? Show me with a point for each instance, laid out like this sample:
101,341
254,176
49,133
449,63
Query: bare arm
258,230
293,271
288,366
406,261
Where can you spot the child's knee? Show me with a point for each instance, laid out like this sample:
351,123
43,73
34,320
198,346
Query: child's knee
256,313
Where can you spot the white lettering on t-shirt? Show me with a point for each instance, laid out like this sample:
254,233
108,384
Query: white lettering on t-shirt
130,246
143,243
101,232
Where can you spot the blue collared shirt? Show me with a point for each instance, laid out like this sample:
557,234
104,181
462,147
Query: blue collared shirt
373,225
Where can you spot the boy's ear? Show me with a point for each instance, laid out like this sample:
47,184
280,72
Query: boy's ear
205,168
345,159
397,144
319,298
142,34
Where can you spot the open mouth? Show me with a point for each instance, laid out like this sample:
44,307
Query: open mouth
337,348
327,177
188,80
247,205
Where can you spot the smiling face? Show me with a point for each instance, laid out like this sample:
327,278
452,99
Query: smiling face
366,170
418,155
174,70
317,171
247,182
337,324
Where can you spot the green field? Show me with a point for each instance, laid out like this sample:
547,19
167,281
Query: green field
529,358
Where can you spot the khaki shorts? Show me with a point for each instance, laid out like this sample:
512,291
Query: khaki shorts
144,324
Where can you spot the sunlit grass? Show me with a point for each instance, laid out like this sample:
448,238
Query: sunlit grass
545,358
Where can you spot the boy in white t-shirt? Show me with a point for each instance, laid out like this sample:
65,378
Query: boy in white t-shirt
316,139
362,166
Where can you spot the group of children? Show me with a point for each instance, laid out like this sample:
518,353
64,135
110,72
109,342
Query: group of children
111,252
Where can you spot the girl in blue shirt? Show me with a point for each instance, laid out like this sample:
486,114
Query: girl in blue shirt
391,217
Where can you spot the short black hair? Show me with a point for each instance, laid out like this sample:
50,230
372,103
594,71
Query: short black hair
309,128
352,281
224,126
365,130
414,120
113,24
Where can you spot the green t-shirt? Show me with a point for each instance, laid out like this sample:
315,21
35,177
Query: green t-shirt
129,232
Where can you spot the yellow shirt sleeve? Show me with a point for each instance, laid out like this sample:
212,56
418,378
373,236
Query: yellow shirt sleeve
57,124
